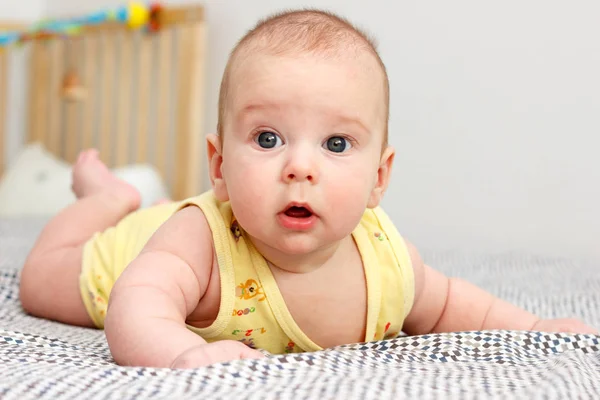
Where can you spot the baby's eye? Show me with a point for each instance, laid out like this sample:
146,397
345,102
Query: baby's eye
338,144
268,140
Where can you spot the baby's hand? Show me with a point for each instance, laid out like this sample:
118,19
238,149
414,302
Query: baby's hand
212,353
563,325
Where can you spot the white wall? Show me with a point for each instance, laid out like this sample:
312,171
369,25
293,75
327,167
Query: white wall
20,11
495,114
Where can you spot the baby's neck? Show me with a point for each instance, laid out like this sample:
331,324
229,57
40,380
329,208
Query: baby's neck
302,263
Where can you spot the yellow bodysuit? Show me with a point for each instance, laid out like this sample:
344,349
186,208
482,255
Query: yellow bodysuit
252,309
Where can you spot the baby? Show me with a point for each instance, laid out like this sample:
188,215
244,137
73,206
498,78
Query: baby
288,252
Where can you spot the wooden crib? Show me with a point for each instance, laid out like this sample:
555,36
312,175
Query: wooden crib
136,96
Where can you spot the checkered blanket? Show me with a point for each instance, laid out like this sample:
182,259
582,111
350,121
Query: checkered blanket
44,359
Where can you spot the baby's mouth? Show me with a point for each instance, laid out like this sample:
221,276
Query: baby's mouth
297,217
298,212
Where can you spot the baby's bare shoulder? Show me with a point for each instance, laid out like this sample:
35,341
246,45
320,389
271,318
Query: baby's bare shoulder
187,235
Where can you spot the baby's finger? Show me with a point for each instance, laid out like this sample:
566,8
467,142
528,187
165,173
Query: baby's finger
243,351
575,326
589,330
251,354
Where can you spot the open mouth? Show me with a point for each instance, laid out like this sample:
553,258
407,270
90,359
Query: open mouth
298,212
298,217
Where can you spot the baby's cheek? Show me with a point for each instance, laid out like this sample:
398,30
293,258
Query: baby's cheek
351,188
347,203
251,201
239,176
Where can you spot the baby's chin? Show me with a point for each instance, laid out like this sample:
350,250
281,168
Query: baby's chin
297,247
301,244
292,245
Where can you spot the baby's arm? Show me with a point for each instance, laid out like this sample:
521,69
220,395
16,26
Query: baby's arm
445,304
149,304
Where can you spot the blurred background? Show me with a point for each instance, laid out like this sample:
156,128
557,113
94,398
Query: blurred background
495,112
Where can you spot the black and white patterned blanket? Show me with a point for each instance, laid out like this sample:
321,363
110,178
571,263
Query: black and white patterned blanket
43,359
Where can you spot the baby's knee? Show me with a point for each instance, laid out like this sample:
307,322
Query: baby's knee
49,287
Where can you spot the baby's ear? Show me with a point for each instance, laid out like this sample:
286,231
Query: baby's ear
215,163
383,177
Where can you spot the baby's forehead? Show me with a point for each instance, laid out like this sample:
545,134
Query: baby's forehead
266,75
362,61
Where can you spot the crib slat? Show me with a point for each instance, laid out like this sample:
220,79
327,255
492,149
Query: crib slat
123,131
109,45
190,105
143,98
39,93
90,61
164,99
73,107
3,104
184,44
196,134
57,52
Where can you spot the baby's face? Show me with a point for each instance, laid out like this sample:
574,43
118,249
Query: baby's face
303,138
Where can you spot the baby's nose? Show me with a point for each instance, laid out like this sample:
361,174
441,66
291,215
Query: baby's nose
300,177
300,169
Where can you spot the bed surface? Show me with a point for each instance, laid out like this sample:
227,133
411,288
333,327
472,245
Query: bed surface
43,359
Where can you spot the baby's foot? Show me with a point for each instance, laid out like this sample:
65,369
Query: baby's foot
91,176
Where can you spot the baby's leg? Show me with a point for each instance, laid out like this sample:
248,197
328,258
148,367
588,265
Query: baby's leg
50,277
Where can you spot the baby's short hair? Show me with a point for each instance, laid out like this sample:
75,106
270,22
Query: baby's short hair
309,30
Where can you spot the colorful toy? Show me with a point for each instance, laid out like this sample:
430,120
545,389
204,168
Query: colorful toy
136,15
7,39
154,23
